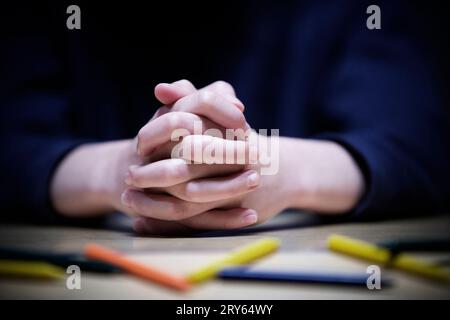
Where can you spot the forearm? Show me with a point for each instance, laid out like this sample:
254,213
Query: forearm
322,175
88,179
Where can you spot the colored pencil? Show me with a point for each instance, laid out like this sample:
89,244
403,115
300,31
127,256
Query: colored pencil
97,252
383,256
246,254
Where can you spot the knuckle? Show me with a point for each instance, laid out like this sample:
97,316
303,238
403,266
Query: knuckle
176,210
191,191
223,86
141,140
173,122
172,174
171,211
185,83
141,136
206,98
178,171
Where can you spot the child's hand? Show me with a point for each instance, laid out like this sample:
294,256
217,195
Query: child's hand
214,106
90,179
179,196
313,175
154,145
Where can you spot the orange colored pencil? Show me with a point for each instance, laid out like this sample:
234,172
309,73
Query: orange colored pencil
97,252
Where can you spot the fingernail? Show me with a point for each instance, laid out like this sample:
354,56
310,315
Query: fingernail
238,103
253,180
247,126
125,199
250,218
161,84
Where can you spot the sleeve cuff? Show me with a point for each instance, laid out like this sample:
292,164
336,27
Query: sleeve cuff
42,169
383,177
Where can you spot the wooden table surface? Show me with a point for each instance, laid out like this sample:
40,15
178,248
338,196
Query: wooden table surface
303,240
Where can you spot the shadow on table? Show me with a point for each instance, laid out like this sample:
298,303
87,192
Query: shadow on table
285,221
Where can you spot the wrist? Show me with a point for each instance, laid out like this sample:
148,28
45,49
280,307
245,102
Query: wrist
323,176
86,181
289,182
107,181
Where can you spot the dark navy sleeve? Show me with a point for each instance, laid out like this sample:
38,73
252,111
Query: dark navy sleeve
36,131
383,103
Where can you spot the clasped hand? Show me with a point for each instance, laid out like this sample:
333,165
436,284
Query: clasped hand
168,194
161,180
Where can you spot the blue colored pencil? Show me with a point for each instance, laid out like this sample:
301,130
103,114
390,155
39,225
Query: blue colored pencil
245,273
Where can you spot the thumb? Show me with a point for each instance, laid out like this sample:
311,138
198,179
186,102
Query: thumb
168,93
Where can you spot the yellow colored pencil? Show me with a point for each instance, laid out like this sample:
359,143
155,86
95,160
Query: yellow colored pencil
246,254
409,263
30,269
402,261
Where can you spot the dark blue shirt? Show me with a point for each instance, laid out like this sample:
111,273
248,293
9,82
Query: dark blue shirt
310,68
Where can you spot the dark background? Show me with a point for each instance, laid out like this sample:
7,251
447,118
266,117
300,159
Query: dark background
197,40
